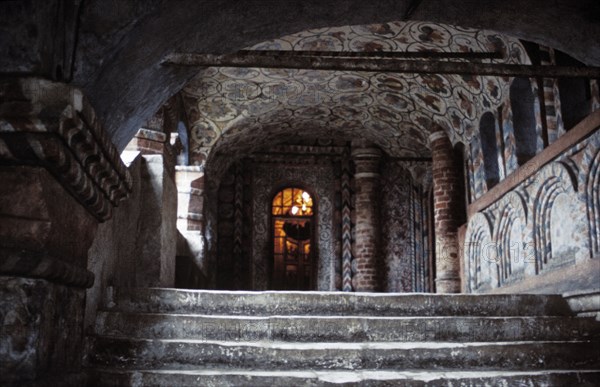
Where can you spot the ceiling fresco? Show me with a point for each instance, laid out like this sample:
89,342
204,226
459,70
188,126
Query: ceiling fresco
242,109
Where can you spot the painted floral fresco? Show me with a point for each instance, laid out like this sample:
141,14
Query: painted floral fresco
236,107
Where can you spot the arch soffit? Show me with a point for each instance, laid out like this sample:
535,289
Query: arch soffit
227,106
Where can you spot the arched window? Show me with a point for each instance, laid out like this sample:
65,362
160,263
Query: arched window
575,94
489,148
522,105
293,241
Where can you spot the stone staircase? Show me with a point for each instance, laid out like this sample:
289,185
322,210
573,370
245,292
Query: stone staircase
169,337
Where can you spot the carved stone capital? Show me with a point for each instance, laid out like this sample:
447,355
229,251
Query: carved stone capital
366,159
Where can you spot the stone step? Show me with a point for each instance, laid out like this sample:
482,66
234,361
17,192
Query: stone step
193,354
156,300
345,329
223,378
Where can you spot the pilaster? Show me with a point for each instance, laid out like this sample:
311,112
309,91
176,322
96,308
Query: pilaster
446,201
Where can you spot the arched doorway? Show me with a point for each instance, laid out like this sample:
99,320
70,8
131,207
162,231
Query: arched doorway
292,230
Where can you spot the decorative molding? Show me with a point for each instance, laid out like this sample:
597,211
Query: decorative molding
481,267
41,265
512,212
433,137
53,125
310,159
307,149
151,134
556,179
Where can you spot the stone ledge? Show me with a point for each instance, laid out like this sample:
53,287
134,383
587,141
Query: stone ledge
583,275
584,303
53,125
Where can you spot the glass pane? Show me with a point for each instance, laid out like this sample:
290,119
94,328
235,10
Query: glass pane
292,202
287,200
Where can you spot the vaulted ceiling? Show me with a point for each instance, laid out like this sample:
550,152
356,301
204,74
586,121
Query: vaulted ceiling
242,109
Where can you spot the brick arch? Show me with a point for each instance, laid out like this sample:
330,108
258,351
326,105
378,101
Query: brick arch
558,179
480,254
512,209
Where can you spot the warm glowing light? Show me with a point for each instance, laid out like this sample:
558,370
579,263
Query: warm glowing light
293,197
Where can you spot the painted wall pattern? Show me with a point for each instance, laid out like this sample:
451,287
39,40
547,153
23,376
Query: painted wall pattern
548,222
226,258
346,196
505,137
508,133
236,107
403,231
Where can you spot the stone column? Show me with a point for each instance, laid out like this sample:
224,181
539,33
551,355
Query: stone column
60,176
446,201
365,263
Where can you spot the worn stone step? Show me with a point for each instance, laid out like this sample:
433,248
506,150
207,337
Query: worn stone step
345,329
241,378
192,354
156,300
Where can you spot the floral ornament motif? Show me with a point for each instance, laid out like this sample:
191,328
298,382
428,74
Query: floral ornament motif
383,107
205,133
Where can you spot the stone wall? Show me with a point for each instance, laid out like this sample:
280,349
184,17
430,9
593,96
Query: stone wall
61,177
157,232
41,327
137,246
113,254
539,229
192,268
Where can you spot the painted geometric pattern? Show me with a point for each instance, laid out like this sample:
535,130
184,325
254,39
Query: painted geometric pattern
243,107
346,224
396,229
